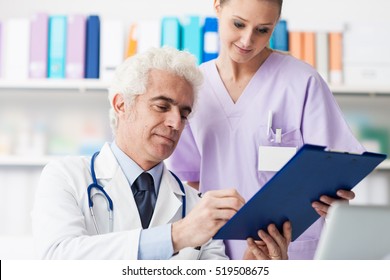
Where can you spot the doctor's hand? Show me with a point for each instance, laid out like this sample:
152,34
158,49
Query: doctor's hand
322,206
210,214
272,246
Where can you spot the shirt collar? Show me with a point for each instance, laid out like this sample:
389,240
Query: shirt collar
132,170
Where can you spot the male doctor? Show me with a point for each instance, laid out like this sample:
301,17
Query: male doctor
152,95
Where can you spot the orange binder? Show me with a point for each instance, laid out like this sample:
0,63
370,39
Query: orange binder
132,41
295,40
336,57
309,48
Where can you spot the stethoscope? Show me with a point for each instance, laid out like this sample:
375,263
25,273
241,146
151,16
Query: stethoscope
110,205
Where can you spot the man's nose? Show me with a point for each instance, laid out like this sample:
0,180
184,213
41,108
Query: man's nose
174,119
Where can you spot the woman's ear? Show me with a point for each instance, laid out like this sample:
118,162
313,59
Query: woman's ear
118,103
217,7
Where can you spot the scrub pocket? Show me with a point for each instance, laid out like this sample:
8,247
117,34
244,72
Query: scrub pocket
273,155
291,138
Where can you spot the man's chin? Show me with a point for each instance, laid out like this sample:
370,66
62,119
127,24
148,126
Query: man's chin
164,153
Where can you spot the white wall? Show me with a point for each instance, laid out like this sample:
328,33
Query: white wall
299,13
295,11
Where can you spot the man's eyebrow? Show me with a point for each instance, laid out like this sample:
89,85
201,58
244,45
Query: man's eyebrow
171,101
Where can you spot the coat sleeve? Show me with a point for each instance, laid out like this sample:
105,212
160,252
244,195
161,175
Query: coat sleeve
59,226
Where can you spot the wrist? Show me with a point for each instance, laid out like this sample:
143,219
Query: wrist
177,235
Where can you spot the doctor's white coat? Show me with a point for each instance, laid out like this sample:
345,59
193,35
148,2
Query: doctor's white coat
62,224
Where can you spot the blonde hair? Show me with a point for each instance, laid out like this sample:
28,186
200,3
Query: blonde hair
279,2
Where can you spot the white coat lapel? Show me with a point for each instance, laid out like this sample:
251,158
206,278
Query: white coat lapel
112,178
169,201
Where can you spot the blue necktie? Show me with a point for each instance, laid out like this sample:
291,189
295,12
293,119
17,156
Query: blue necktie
144,196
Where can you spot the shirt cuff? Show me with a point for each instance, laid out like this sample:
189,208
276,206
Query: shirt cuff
156,243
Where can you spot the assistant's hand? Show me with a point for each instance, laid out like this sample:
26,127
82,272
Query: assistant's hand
210,214
322,206
272,246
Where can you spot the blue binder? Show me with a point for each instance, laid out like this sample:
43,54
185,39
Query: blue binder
279,38
312,172
210,39
57,46
192,36
171,32
92,51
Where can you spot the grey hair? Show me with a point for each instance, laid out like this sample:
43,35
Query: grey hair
131,77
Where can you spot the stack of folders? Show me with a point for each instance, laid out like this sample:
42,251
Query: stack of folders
321,49
50,46
81,46
90,46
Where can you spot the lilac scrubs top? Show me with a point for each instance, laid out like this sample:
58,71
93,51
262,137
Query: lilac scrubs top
219,146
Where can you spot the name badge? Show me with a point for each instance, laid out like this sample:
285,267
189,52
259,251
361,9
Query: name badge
273,158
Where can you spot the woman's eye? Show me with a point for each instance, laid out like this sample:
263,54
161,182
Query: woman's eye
238,24
263,30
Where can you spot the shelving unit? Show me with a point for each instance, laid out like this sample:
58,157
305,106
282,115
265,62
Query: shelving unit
93,86
25,161
19,174
360,90
85,85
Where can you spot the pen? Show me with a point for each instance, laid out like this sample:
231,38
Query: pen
269,123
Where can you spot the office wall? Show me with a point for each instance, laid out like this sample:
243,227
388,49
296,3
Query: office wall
21,183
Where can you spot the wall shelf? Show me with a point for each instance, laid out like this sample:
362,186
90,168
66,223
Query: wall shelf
99,85
82,85
360,90
26,161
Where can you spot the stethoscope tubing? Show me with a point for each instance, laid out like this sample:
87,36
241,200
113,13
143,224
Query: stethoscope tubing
110,204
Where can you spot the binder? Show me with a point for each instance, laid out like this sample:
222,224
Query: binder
336,57
210,39
112,44
295,44
192,36
39,46
171,32
309,48
132,41
16,48
280,36
57,46
92,49
75,47
312,172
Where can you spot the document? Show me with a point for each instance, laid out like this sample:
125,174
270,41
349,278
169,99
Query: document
310,173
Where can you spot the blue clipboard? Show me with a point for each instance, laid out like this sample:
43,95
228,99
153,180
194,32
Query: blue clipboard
310,173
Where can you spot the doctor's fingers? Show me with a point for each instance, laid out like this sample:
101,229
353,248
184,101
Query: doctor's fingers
225,193
232,203
216,214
